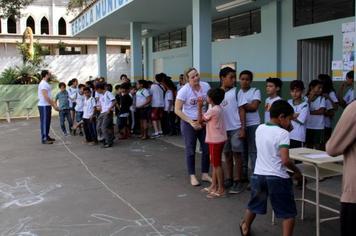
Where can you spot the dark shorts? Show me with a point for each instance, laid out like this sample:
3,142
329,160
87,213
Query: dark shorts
314,136
123,122
143,113
73,106
79,116
157,113
233,142
280,192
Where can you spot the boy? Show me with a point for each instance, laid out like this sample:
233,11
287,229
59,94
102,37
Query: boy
124,102
157,91
79,109
105,120
64,109
301,113
88,116
348,97
270,177
273,88
234,119
253,99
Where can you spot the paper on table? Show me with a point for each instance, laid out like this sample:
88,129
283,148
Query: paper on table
317,155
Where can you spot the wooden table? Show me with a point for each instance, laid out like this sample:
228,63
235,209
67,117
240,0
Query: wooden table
8,109
317,169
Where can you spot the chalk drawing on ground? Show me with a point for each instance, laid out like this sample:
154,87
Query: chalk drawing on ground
100,224
23,193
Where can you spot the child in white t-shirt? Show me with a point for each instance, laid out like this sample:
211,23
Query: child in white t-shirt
143,102
169,117
345,98
273,88
215,137
301,113
79,104
89,125
253,98
270,178
316,120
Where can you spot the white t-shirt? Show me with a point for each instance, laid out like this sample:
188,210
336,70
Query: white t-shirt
299,129
230,106
79,102
44,85
349,96
329,106
141,97
168,98
106,101
190,98
157,92
253,94
268,104
72,93
269,139
88,108
316,121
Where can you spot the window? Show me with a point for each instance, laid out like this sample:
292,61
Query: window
11,25
243,24
62,27
73,50
315,11
30,23
174,39
44,26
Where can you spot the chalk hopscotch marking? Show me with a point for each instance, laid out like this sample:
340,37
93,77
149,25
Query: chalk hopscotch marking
128,204
23,193
104,223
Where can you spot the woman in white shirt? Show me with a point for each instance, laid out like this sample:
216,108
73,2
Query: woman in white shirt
186,107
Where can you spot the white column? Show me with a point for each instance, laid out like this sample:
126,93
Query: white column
146,52
102,67
4,25
202,38
136,51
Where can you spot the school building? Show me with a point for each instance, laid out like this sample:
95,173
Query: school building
290,39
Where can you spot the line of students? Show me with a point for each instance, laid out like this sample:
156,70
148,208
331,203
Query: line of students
92,106
219,118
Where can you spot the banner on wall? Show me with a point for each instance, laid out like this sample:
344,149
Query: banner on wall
348,55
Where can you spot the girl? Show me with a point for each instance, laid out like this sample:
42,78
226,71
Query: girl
143,101
316,121
331,103
186,107
215,137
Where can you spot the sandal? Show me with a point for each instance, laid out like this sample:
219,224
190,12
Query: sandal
241,230
206,190
214,195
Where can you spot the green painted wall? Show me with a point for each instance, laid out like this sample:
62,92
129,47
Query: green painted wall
27,94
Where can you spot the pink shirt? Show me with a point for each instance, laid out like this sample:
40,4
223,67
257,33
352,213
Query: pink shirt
215,127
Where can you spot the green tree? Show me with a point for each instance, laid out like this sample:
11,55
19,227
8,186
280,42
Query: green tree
12,7
78,4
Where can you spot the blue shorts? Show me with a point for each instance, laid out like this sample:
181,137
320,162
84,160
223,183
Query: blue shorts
280,192
78,116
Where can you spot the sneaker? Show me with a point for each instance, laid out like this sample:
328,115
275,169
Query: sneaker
107,145
155,135
81,133
65,134
50,139
47,142
237,188
228,183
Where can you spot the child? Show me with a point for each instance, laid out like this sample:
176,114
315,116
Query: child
348,97
125,102
88,116
143,101
270,178
253,98
273,88
64,109
168,122
316,121
133,109
107,103
331,103
79,109
301,113
72,92
215,138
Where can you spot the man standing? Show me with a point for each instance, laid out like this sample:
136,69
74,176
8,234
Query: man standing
45,104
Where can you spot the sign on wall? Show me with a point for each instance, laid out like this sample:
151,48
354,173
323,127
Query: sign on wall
348,53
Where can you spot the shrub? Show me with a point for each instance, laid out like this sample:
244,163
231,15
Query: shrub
9,76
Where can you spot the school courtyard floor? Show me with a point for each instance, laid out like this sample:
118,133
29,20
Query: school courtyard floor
135,188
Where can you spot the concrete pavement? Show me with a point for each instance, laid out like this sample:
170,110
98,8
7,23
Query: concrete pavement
135,188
